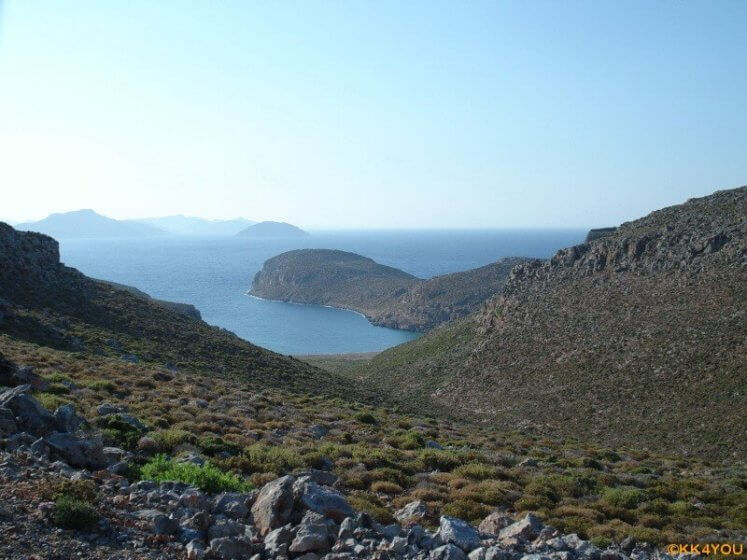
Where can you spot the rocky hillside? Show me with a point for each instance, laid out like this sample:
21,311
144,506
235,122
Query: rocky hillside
386,296
633,338
47,303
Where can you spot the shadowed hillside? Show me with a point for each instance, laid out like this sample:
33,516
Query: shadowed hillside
43,301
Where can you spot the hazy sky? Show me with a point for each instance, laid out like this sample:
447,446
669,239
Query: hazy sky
371,114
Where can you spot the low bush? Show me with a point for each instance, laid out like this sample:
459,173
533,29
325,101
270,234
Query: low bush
207,477
72,513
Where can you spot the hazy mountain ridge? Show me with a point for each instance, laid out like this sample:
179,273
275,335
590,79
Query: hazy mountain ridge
191,225
589,343
385,295
89,224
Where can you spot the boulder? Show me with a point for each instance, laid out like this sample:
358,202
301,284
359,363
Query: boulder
231,548
232,504
447,552
322,500
105,409
66,419
30,415
312,537
416,510
164,525
459,533
224,527
8,424
494,523
78,452
526,529
195,550
277,541
274,504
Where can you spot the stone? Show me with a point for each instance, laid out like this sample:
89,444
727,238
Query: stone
497,553
66,418
628,544
323,478
164,525
399,545
277,541
224,527
535,557
7,422
40,448
194,499
318,431
477,554
114,454
346,528
313,537
494,523
433,444
527,529
30,415
323,500
274,504
413,510
105,409
131,421
78,452
195,550
458,532
447,552
231,548
232,504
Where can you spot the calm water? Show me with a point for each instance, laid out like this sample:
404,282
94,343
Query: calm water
214,274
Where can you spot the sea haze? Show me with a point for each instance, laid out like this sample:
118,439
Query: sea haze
214,274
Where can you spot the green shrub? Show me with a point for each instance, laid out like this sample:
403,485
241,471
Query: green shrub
439,459
624,497
206,477
265,458
601,542
51,402
72,513
366,418
477,471
213,445
119,433
468,510
58,389
167,440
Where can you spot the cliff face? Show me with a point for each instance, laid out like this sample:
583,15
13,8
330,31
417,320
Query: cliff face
385,295
636,337
26,255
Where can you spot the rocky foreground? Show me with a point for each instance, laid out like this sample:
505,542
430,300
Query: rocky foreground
55,474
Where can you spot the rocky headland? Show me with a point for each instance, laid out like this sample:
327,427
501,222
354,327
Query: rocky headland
387,296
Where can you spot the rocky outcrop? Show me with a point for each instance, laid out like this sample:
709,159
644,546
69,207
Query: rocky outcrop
386,296
186,309
588,343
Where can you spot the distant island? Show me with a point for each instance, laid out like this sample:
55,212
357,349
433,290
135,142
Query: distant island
191,225
272,229
386,296
89,224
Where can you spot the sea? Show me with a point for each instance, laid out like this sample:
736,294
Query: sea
215,273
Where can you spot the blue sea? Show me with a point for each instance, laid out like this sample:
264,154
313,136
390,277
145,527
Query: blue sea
215,273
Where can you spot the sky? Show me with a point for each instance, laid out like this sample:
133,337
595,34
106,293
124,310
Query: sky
371,114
